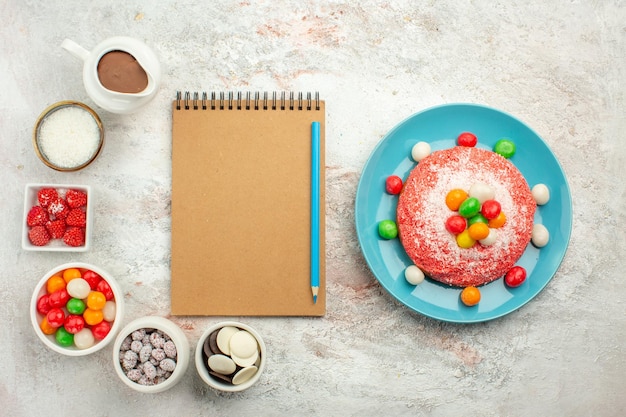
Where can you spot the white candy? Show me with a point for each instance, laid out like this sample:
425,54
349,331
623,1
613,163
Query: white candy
414,275
84,339
108,311
420,151
482,192
223,338
490,239
243,344
540,235
541,194
78,288
222,364
244,375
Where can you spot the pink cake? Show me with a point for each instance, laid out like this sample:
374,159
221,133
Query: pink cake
422,213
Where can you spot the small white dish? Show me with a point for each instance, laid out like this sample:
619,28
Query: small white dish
49,340
56,245
177,336
247,373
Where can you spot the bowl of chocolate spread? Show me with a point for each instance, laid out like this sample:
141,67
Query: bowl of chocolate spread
120,74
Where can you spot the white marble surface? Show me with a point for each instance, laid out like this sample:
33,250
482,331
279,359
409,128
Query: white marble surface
558,66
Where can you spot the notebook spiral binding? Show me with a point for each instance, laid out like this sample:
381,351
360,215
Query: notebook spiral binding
236,101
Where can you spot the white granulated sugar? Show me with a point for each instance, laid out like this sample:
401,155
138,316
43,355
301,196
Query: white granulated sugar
69,137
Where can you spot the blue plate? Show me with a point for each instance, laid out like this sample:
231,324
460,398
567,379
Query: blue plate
440,126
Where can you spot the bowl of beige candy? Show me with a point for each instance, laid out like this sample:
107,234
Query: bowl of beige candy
120,74
230,356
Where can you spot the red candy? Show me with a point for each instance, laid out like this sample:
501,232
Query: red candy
456,224
43,304
74,324
58,298
490,209
393,184
105,289
92,278
515,277
101,329
55,317
467,139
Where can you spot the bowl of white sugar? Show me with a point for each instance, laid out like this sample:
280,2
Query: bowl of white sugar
68,136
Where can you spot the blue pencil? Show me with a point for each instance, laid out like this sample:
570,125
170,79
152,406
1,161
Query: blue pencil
315,209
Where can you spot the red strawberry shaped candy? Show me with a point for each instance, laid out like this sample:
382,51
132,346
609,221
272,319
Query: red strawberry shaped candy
58,208
76,217
56,228
74,236
39,236
75,198
37,216
46,195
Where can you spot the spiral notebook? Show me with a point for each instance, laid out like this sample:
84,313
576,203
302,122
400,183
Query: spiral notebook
241,204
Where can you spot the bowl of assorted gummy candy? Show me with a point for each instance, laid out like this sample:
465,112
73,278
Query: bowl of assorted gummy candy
151,354
76,309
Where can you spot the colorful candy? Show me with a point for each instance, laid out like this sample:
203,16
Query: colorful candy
466,139
454,198
387,229
540,235
469,208
541,194
456,224
490,209
414,275
470,296
77,308
515,277
393,184
420,151
504,147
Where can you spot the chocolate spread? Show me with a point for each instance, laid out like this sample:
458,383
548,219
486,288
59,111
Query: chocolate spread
119,71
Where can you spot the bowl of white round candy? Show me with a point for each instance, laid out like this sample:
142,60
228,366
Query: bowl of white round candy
151,354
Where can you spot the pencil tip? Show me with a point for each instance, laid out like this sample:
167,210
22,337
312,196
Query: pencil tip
315,299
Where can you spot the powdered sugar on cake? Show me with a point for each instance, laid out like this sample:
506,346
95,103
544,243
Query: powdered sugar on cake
422,214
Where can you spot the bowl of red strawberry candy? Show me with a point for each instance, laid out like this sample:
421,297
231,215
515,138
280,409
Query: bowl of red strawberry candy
57,217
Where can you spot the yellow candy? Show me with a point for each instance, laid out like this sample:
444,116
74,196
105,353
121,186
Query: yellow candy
498,221
96,300
93,317
55,283
478,231
464,240
71,273
454,198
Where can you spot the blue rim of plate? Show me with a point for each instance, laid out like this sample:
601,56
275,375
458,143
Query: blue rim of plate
439,126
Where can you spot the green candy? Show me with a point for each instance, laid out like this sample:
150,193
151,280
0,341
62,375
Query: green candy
478,218
504,147
387,229
75,306
64,338
469,208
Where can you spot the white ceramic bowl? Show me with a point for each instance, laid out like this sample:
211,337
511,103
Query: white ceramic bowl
216,383
177,336
56,245
49,340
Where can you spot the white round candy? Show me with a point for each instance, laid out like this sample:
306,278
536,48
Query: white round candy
84,339
222,364
540,235
420,151
243,344
223,338
108,311
245,362
414,275
541,194
244,375
490,239
78,288
482,192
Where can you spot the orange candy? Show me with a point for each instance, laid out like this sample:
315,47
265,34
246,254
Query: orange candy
71,273
55,283
470,296
454,198
96,300
93,317
498,221
478,231
45,326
